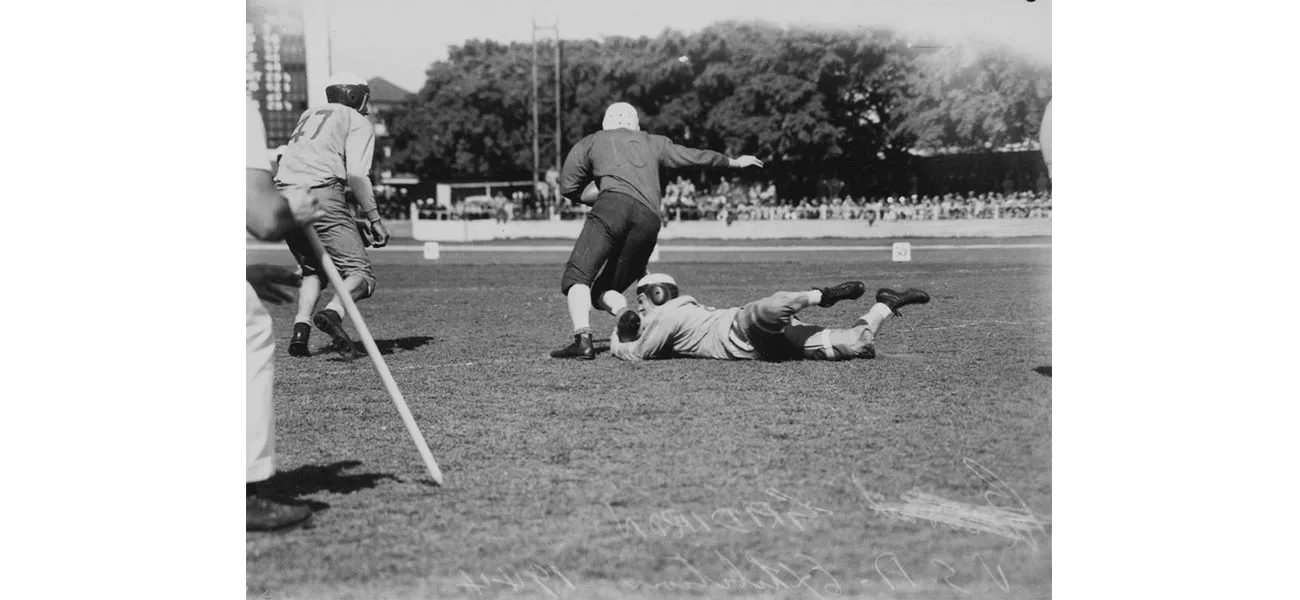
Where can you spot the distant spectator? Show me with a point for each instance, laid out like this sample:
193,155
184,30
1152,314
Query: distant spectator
500,203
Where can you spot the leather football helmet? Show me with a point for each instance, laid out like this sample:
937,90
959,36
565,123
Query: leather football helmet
349,90
658,288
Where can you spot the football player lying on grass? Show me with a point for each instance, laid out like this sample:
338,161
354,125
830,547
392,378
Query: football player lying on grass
670,326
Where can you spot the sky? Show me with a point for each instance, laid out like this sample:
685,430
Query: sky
399,39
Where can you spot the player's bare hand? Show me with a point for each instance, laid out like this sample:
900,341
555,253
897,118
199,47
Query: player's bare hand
746,161
305,207
274,284
378,234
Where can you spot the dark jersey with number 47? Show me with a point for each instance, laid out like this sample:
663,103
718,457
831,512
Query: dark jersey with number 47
628,162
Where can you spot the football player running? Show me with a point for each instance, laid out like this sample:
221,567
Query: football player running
622,228
333,147
669,325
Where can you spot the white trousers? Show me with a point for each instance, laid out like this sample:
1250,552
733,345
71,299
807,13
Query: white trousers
261,377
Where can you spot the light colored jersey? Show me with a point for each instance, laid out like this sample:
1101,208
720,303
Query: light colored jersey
258,156
330,142
682,327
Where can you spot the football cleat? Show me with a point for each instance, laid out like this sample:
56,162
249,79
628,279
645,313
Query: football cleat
331,323
849,290
581,348
629,326
265,515
895,299
298,343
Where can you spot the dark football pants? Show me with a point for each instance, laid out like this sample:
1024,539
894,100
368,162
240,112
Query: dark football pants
771,327
338,232
614,246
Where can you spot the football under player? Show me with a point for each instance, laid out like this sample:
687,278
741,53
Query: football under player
333,147
670,325
269,216
622,228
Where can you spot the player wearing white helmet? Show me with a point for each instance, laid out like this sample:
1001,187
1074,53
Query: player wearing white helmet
622,228
333,147
669,325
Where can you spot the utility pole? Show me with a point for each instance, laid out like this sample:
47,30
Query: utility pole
559,133
536,153
551,31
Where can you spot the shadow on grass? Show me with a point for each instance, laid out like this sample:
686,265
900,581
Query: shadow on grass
1044,370
312,479
406,343
386,347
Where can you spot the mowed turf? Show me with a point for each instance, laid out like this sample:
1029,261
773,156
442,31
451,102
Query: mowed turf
925,473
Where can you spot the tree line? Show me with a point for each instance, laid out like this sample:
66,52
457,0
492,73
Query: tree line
851,106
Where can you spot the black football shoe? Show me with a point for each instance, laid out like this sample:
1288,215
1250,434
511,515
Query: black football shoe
298,343
581,348
331,323
849,290
895,299
267,515
629,326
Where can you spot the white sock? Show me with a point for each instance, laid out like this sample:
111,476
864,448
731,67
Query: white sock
815,297
580,308
877,315
613,302
336,305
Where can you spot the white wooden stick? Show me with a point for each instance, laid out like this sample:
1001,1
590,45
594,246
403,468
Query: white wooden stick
381,367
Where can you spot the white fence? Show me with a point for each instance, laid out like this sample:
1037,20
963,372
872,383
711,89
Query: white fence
486,230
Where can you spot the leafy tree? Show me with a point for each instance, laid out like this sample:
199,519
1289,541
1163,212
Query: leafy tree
969,99
813,104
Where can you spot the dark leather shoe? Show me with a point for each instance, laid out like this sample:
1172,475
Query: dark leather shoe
265,515
581,348
332,323
895,299
850,290
629,326
298,343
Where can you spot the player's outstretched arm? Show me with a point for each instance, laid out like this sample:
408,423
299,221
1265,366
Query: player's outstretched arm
745,161
675,157
623,350
649,337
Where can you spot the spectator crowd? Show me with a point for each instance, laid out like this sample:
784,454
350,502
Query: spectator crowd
731,200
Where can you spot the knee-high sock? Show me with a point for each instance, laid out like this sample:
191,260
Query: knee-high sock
875,317
580,308
308,295
612,302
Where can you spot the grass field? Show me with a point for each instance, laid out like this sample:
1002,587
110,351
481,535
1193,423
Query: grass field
925,473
